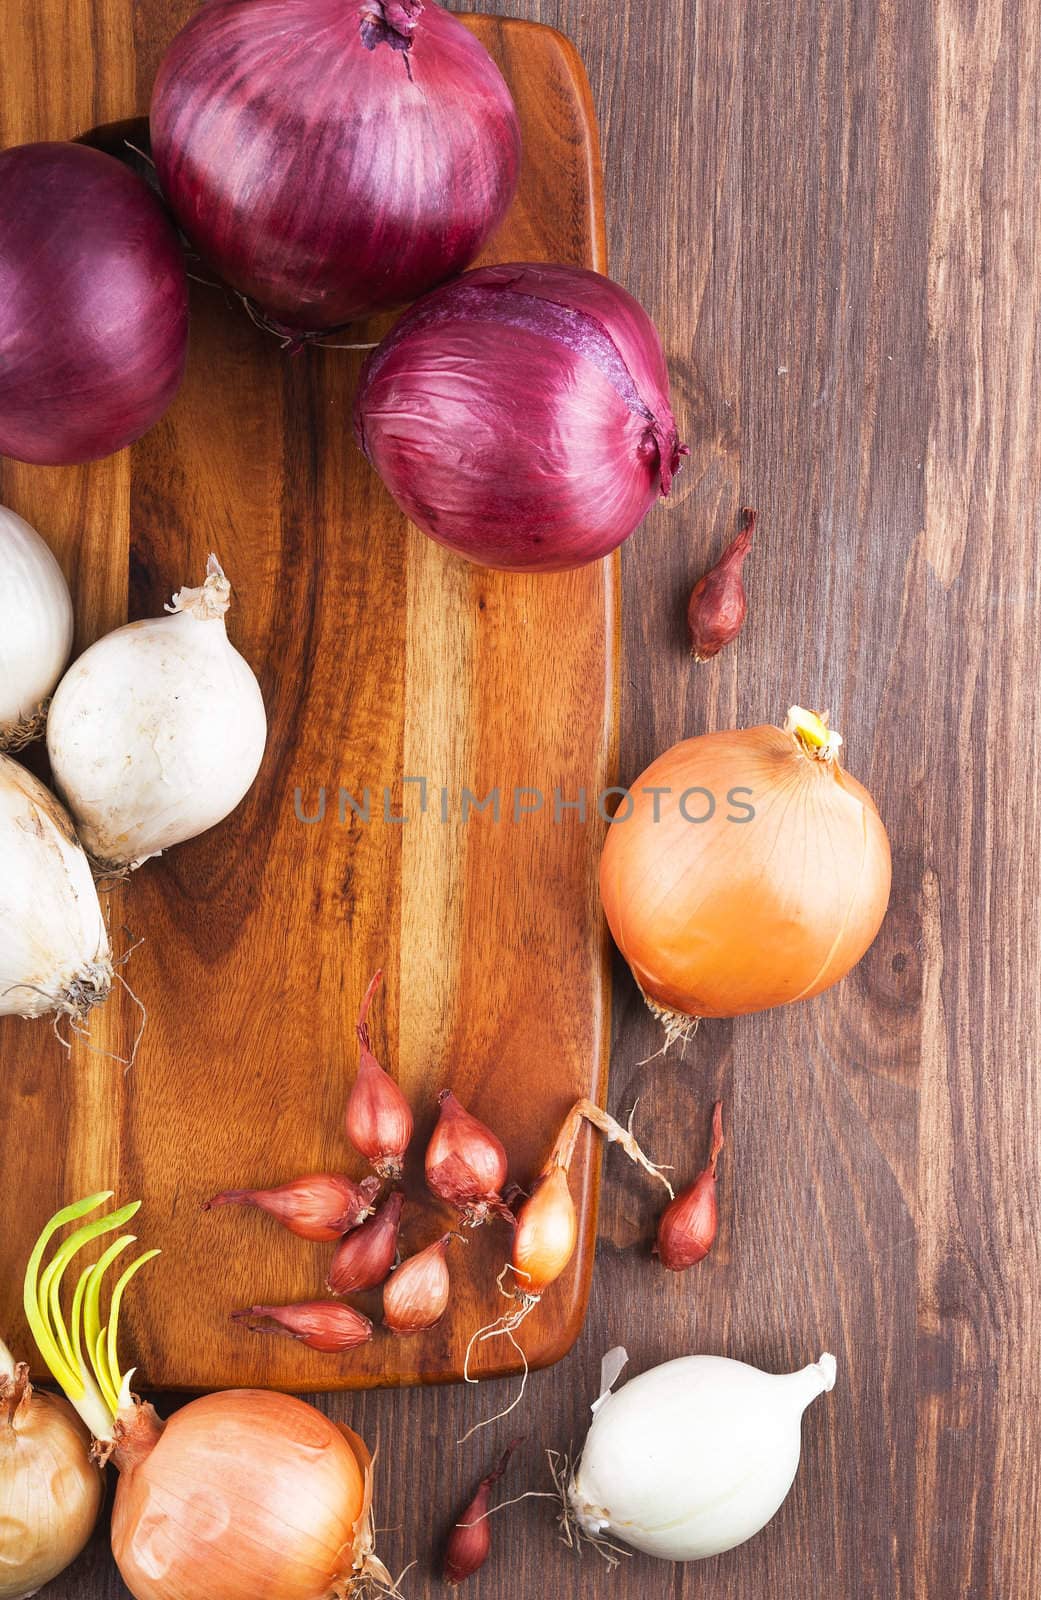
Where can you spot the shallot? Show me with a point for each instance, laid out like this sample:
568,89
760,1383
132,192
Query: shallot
379,1118
363,1258
321,1207
718,606
325,1325
687,1227
470,1541
547,1222
466,1164
416,1294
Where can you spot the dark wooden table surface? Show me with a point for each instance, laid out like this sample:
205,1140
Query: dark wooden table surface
830,208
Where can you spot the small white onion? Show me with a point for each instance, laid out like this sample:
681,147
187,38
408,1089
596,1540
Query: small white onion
35,629
692,1457
54,952
158,730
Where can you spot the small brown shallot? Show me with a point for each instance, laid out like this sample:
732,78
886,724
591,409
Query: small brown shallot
718,606
466,1164
379,1118
326,1325
470,1541
687,1229
365,1256
547,1222
321,1207
416,1294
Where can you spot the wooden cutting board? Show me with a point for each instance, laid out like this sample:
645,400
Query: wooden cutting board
382,658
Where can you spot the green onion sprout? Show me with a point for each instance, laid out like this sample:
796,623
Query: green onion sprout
82,1353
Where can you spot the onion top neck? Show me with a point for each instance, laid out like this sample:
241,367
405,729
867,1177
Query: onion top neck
391,22
813,738
210,601
81,1351
15,1388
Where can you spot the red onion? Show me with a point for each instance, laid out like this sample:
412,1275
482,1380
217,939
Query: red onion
93,305
333,157
521,416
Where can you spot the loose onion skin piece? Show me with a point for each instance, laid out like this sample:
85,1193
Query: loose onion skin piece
331,158
542,484
724,917
94,310
242,1495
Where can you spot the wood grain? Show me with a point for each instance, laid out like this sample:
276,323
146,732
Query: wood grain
830,207
398,674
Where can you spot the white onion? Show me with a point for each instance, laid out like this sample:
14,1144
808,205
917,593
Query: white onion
158,730
35,629
54,952
692,1457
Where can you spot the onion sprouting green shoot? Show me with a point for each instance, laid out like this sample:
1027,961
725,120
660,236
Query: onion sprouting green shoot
81,1350
273,1499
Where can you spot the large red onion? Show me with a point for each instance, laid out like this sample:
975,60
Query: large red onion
521,416
333,157
93,305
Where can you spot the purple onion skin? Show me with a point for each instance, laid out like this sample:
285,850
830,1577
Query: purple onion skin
521,416
331,158
93,305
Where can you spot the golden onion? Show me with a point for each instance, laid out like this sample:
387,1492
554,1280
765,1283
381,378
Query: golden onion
50,1491
756,875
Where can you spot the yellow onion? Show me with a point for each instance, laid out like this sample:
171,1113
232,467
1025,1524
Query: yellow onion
243,1495
758,874
50,1492
547,1232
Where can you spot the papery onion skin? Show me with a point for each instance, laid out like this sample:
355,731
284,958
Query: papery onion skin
36,627
50,1491
94,309
244,1495
324,172
693,1457
521,416
736,914
54,949
157,732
